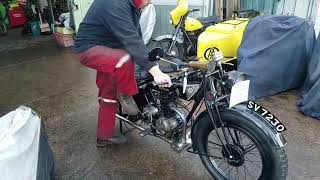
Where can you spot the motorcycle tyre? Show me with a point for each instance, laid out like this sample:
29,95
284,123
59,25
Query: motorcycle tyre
275,163
176,46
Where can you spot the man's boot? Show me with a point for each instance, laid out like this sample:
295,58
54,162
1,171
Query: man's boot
128,104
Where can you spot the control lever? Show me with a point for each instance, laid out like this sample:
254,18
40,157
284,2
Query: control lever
185,83
155,84
75,5
230,64
176,64
145,132
194,10
192,64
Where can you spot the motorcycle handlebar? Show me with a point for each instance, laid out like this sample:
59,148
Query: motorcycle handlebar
198,64
194,10
192,64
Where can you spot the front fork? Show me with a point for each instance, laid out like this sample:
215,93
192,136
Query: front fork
214,114
174,39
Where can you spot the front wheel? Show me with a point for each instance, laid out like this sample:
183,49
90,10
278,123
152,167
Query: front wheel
248,155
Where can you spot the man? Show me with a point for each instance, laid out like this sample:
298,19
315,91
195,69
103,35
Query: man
109,40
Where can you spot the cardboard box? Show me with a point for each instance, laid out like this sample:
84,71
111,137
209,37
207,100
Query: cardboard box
45,27
64,30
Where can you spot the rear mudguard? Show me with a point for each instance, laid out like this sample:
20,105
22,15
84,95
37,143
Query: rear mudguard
167,36
275,138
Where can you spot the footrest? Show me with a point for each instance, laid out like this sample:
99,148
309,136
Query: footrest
145,132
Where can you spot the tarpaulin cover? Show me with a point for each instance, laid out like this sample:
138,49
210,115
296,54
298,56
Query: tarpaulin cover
309,104
274,54
147,22
24,149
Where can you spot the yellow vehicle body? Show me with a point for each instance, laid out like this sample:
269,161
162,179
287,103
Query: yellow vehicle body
182,9
192,24
226,36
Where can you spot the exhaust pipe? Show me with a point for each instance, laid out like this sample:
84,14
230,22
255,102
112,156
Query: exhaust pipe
129,122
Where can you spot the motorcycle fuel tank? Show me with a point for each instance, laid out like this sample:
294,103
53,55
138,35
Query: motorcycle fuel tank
226,36
192,24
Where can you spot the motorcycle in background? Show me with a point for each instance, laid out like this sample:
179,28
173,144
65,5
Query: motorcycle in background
183,41
192,39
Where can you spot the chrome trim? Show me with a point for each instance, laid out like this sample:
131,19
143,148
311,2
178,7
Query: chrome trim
129,122
184,129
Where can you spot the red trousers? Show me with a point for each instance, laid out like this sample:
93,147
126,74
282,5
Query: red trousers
110,80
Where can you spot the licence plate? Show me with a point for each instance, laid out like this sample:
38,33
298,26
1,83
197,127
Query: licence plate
268,116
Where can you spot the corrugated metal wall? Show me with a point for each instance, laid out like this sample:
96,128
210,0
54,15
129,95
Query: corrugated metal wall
267,7
162,24
304,9
317,15
163,7
308,9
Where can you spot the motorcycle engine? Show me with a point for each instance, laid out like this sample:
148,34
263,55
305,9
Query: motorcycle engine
170,125
166,125
193,36
164,114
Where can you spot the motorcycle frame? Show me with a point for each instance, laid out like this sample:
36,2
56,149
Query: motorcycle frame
212,109
175,35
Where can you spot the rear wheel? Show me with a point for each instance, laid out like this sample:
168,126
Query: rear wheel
248,155
176,53
177,50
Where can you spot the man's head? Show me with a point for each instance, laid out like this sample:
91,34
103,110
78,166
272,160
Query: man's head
142,3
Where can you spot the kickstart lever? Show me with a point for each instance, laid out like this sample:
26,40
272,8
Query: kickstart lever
145,132
170,62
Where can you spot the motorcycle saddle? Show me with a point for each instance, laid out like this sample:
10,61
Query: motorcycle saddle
208,21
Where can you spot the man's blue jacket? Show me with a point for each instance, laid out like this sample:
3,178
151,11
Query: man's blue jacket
115,24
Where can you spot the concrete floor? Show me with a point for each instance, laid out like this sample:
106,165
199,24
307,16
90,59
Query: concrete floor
48,79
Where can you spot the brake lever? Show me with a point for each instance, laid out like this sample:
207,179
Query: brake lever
185,83
161,59
230,64
159,85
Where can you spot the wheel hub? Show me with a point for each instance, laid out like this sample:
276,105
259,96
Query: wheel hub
236,156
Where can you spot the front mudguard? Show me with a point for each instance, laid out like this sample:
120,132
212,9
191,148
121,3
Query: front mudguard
275,138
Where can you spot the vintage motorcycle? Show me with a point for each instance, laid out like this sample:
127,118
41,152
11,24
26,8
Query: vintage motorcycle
239,142
192,39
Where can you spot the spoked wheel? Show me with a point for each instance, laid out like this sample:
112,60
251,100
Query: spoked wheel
176,52
240,159
248,154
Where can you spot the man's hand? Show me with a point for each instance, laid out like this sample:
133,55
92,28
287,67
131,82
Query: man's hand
161,79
